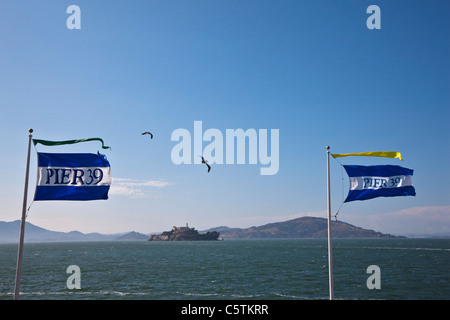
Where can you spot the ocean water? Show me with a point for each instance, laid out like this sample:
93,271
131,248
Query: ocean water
232,269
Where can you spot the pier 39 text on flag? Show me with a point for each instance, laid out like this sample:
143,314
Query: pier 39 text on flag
72,176
367,182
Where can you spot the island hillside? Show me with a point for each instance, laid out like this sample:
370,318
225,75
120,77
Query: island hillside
304,227
184,234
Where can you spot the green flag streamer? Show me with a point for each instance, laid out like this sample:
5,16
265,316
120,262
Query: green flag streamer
59,143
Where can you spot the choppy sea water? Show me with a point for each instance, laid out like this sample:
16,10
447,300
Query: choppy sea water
230,269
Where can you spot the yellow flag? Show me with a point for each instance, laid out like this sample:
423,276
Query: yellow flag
387,154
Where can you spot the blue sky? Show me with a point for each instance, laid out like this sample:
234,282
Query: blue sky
311,69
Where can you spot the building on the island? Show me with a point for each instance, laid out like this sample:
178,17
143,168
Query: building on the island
174,228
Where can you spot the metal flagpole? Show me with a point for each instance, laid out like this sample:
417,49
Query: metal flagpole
330,253
22,224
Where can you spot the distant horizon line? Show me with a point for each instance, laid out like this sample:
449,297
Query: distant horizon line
408,235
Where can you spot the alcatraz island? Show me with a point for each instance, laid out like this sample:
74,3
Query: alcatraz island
184,234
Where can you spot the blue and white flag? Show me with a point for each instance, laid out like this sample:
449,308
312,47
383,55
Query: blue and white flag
72,176
367,182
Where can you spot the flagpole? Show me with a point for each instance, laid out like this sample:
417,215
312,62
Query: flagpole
22,224
330,253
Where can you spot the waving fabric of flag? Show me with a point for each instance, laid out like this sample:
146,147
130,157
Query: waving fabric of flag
72,176
368,182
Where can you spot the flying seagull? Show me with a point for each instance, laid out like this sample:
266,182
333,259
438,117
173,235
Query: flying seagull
206,162
146,132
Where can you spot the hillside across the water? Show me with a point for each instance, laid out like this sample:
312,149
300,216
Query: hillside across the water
304,227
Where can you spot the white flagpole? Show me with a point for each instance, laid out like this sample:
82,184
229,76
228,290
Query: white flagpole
22,224
330,253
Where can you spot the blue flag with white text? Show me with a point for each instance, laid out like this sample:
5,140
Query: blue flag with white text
368,182
72,176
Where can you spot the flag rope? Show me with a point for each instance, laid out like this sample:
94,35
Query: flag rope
28,210
32,201
343,194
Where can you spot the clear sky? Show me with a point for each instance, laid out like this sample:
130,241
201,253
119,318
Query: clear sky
311,69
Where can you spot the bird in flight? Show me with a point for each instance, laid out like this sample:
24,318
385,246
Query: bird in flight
146,132
206,162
